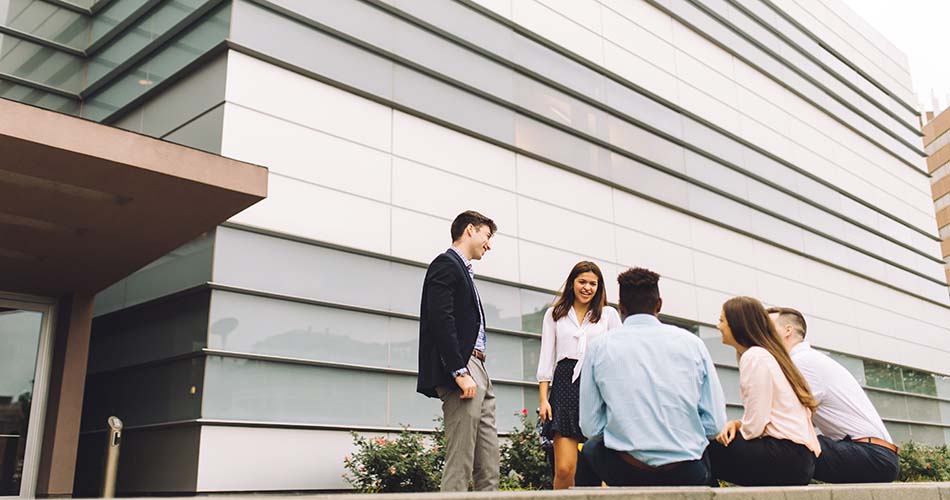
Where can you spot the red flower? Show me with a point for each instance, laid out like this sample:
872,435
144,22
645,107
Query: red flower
524,411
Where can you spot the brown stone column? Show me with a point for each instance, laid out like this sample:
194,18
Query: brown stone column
64,403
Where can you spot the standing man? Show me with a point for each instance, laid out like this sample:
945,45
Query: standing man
650,397
452,357
855,445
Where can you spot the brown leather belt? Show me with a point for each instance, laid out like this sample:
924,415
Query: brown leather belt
879,442
642,466
479,355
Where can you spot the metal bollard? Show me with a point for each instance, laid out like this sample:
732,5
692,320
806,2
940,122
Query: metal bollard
112,457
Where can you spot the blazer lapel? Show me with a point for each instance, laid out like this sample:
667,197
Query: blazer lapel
471,284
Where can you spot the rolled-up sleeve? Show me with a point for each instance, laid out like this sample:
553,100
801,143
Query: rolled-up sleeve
548,347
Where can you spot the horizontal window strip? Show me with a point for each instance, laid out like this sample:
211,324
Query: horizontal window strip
321,244
679,11
347,307
844,73
909,107
347,428
155,45
124,18
942,202
52,44
257,424
744,9
341,366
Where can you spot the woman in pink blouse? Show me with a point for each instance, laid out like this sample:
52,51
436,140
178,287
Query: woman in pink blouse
579,314
775,442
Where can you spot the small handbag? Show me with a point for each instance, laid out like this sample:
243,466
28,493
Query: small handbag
545,433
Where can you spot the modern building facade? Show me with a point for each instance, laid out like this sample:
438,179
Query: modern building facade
937,145
754,147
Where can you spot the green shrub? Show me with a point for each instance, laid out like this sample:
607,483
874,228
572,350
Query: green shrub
920,462
413,461
410,463
523,465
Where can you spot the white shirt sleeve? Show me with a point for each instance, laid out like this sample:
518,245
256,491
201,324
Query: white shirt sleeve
548,347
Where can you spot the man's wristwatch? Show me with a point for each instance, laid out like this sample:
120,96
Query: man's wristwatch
461,371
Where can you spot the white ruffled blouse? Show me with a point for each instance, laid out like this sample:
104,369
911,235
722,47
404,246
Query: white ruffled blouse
567,338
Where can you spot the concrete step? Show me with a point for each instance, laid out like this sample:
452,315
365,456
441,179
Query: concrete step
891,491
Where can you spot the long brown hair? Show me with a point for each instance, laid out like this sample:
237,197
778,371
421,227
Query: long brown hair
565,301
751,326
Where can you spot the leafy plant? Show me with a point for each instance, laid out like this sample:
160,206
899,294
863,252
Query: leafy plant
523,464
413,461
410,463
920,462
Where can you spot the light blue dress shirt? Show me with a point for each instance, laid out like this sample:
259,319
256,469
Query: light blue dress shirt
652,391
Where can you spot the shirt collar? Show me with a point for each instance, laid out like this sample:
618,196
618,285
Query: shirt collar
800,347
641,319
465,261
573,315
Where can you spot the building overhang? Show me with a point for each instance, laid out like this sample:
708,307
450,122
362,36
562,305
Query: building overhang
83,205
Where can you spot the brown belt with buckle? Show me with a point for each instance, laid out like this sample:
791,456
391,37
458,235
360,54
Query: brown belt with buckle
642,466
879,442
479,355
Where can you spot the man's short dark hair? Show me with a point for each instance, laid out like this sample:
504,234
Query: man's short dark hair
792,317
639,291
474,218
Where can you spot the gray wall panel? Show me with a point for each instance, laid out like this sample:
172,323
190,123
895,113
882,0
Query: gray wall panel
150,332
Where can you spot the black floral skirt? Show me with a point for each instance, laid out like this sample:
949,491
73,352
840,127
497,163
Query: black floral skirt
564,397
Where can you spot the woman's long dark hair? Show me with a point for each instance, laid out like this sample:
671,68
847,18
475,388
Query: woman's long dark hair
565,301
751,326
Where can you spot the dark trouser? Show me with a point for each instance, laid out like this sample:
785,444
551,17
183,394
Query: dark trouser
763,461
846,461
598,463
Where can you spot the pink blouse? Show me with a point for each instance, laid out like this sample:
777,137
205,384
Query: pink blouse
771,406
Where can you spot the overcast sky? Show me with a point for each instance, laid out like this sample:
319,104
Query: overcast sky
919,28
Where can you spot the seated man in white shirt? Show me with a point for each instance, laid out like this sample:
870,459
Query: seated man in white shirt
855,445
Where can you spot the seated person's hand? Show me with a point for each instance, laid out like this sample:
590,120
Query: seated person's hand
729,432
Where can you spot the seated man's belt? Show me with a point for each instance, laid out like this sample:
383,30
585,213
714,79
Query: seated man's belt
479,355
643,466
879,442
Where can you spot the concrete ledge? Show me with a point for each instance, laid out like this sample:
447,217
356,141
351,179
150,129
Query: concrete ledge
896,491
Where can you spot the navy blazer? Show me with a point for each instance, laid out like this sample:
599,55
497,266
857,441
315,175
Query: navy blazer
449,321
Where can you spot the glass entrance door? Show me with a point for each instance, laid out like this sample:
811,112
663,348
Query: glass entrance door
24,364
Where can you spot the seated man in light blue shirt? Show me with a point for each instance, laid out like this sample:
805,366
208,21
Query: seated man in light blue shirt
650,397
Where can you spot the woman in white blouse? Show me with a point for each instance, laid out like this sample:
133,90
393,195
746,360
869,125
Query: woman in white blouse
579,314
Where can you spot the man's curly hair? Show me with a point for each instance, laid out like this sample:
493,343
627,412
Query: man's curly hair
639,291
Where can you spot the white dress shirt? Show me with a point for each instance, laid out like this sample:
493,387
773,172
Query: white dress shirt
843,407
567,338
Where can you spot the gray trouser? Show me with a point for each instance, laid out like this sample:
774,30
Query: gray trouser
471,439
